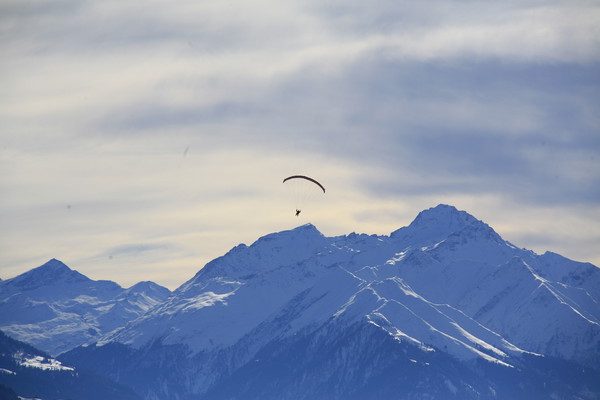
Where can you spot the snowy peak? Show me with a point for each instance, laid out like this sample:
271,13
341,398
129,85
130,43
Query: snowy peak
307,228
148,287
299,242
307,233
251,282
443,218
48,274
144,295
439,223
54,281
265,254
55,266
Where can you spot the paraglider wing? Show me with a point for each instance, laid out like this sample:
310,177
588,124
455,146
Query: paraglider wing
304,177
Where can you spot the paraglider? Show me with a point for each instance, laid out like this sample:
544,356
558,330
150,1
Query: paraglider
304,187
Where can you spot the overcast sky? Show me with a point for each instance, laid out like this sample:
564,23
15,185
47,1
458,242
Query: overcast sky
141,139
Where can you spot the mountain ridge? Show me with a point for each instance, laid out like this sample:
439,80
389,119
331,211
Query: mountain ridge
447,284
56,308
446,301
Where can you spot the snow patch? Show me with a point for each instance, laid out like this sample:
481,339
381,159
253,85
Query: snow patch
206,299
7,371
43,363
478,341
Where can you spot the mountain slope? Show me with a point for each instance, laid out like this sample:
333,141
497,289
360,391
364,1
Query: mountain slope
56,308
359,316
30,373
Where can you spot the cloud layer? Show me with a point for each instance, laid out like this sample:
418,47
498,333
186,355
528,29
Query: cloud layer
142,140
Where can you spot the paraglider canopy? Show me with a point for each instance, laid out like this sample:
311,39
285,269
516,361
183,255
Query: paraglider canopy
307,178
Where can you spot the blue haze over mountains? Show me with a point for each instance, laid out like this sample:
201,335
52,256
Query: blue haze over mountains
442,308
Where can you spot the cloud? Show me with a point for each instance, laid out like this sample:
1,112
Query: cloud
171,124
514,30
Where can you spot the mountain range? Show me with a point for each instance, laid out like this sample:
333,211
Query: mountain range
442,308
55,308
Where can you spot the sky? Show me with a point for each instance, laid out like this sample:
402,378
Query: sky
141,139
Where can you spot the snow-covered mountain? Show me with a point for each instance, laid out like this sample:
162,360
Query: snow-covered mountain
56,308
442,308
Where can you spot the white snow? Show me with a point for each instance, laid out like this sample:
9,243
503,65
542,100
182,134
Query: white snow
41,363
479,342
6,371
